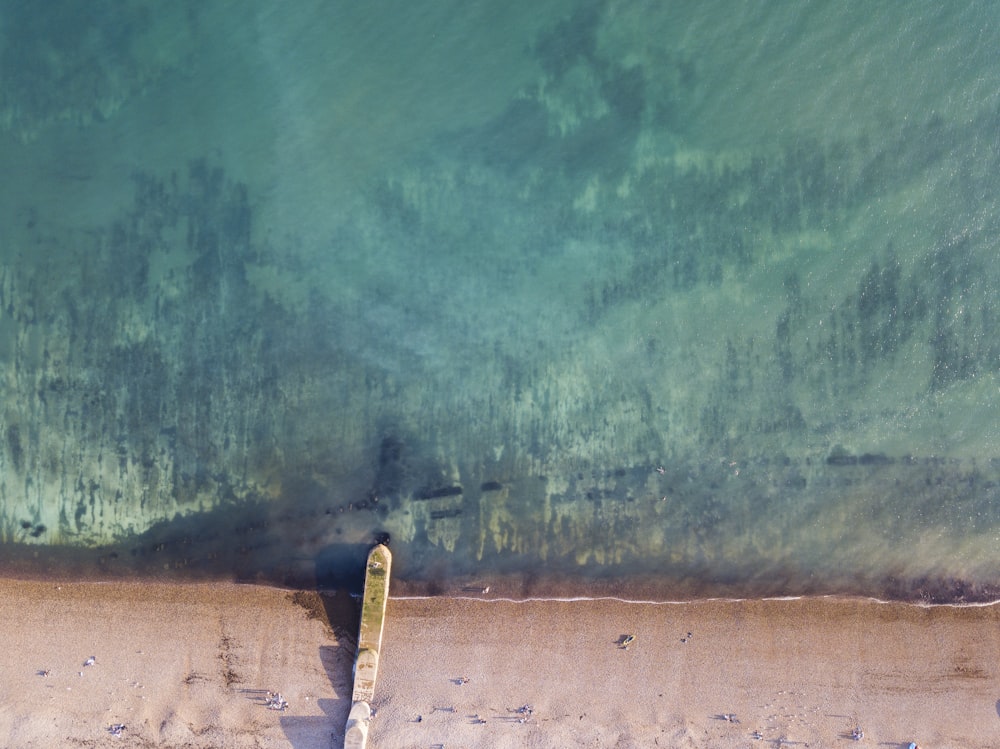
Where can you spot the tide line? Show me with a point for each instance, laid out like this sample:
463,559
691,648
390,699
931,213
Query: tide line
695,601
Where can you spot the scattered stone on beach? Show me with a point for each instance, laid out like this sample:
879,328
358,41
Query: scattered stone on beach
274,701
524,713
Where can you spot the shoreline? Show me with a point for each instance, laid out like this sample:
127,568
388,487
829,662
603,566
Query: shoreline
55,563
191,664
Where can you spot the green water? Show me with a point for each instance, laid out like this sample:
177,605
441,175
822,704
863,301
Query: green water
681,297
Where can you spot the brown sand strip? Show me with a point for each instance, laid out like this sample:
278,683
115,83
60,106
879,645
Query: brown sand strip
807,672
177,665
190,666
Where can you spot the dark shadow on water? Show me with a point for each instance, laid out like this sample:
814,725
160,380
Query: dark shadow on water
342,567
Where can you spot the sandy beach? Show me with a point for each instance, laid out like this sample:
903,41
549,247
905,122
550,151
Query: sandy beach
177,665
192,665
797,672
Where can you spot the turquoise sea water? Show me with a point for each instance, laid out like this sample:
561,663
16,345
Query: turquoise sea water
679,298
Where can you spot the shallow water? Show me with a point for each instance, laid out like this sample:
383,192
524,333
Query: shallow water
601,297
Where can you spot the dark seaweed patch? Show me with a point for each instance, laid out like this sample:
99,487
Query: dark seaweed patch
444,491
842,460
874,459
865,459
14,447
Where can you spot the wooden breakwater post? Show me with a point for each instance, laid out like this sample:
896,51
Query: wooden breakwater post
373,604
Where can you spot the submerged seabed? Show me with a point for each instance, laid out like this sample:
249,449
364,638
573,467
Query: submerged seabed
598,299
304,545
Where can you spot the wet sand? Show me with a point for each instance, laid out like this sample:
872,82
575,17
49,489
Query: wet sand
191,665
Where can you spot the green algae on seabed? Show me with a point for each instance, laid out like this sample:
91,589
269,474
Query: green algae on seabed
474,294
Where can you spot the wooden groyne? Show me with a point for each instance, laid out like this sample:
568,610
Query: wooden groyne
373,604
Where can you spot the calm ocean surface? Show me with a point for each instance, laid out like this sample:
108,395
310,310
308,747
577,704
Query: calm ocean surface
667,299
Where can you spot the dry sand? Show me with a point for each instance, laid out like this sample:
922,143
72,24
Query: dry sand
800,672
179,665
190,665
